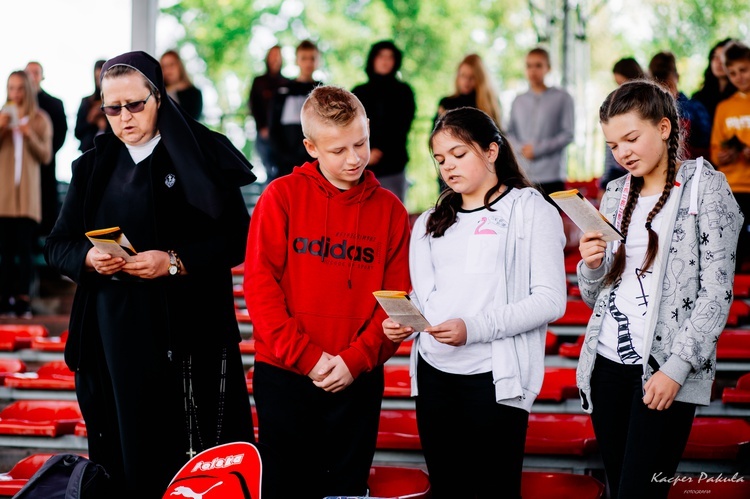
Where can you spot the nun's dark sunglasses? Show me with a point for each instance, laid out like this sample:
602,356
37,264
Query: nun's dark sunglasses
132,107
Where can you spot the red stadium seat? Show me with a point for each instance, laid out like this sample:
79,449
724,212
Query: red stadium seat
733,345
247,347
239,270
396,482
10,366
12,481
242,316
47,418
588,188
705,485
80,430
398,430
740,393
53,375
742,286
543,485
577,313
716,438
566,434
404,348
738,313
50,343
550,343
17,336
571,261
571,350
397,381
559,384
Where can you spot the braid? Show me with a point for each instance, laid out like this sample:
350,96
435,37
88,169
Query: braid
652,103
653,238
618,265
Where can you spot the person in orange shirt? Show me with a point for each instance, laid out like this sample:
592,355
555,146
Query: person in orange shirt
730,136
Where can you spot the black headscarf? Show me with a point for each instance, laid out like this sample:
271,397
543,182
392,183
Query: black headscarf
203,159
375,49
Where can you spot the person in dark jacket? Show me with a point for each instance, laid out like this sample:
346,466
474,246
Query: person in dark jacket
261,93
694,118
716,86
390,105
285,126
90,120
179,85
56,111
154,340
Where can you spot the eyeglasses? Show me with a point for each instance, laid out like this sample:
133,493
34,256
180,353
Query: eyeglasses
132,107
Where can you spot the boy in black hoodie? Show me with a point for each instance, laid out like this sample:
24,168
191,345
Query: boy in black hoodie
390,106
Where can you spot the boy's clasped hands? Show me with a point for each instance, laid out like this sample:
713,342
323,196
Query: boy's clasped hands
331,373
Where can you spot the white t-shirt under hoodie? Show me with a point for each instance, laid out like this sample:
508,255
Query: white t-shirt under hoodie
623,329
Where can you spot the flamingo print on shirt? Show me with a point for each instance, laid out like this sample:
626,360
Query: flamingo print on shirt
479,230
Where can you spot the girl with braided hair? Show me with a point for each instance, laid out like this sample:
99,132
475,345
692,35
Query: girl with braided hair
487,272
660,296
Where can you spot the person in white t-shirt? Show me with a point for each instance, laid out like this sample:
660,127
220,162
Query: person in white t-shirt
487,272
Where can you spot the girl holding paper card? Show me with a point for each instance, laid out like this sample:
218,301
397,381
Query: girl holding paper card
487,271
660,298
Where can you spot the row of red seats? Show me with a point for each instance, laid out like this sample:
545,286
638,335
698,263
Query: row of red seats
577,313
741,287
559,434
734,344
385,482
559,382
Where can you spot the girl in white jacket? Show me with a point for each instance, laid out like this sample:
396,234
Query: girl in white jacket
487,272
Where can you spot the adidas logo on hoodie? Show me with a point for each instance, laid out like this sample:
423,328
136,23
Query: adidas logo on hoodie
340,251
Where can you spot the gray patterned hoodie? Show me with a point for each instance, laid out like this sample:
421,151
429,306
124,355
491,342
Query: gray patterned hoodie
699,238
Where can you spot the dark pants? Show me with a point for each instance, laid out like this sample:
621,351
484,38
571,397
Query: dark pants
472,445
16,255
263,146
50,199
743,244
639,446
316,443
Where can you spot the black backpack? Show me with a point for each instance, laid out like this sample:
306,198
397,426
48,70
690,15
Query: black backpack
65,476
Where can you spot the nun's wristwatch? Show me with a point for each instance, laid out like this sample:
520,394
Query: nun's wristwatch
174,263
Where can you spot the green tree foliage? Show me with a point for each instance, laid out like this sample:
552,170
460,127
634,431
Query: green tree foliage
231,37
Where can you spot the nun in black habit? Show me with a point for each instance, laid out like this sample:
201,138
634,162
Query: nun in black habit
154,341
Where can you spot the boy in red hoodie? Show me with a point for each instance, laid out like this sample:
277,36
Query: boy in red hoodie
321,240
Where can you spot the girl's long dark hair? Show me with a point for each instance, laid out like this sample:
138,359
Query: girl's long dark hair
651,102
710,84
477,130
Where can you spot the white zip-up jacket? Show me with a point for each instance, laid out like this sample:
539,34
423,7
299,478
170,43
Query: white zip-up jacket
532,294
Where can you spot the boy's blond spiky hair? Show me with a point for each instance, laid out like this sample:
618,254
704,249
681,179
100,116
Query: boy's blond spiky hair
329,105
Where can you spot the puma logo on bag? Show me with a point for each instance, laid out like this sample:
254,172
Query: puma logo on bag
189,493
